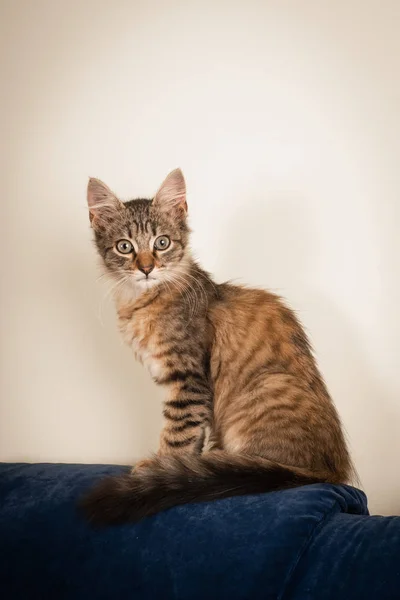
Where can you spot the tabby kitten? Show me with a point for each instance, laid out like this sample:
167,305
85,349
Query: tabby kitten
234,362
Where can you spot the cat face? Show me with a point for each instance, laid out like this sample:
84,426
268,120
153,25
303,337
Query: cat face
142,242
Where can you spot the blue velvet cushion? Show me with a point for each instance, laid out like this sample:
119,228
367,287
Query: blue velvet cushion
313,542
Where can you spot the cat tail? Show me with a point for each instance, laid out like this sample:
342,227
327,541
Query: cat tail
167,481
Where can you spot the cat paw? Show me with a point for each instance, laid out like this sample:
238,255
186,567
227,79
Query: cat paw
145,462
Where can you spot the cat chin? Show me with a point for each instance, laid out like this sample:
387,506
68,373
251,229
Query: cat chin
143,285
133,288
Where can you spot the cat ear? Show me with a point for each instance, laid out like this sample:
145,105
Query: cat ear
171,196
102,202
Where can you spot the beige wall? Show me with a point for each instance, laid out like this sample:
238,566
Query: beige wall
284,117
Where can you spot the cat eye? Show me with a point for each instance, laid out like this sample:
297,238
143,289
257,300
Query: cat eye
162,242
124,246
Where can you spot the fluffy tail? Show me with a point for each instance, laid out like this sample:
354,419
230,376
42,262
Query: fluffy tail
167,481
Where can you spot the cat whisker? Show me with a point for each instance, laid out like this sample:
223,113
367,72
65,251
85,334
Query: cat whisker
195,281
165,282
185,291
188,292
108,293
191,291
190,288
196,268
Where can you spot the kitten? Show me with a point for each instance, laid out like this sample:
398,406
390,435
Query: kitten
233,361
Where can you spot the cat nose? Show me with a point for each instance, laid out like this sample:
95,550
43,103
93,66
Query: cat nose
146,269
145,262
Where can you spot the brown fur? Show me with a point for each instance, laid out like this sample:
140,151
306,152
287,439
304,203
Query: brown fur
234,362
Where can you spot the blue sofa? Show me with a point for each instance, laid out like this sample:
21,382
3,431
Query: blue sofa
313,542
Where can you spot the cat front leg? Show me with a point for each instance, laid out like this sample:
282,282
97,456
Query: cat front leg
212,441
187,413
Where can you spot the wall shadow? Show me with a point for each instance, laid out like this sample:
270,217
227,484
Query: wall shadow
132,398
280,257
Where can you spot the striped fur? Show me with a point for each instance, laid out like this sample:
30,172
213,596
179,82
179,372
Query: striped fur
233,361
